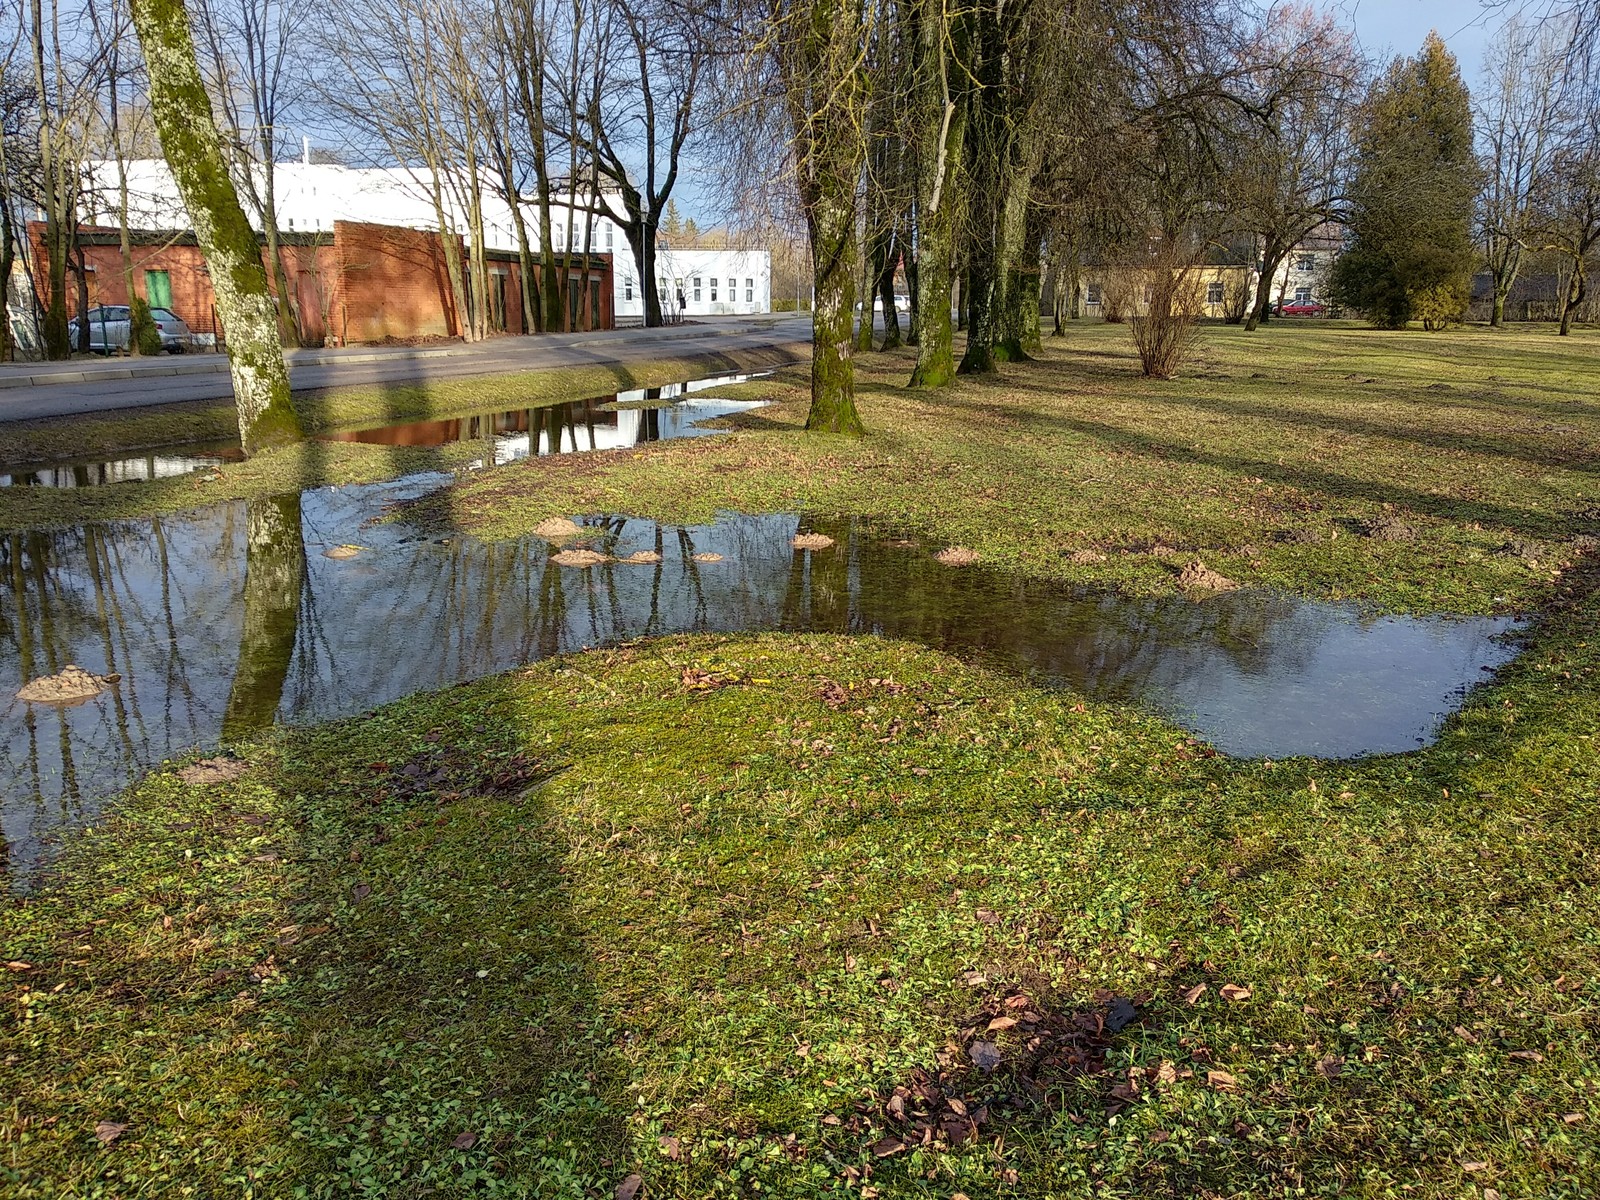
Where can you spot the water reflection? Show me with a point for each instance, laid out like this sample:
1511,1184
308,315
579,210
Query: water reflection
601,423
224,620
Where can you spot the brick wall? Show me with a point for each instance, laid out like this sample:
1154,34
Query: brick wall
368,283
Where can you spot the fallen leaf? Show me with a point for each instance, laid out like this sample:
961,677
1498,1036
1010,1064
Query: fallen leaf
1330,1066
889,1145
1528,1055
987,916
973,978
1475,1166
960,1109
629,1187
1572,1118
361,891
1167,1072
1002,1023
1222,1081
984,1055
109,1131
671,1148
1233,991
1192,996
18,965
1122,1011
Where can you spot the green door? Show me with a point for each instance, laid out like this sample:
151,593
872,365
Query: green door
158,288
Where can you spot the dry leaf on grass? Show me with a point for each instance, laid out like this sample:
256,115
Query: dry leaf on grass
465,1141
109,1131
1222,1081
630,1187
1234,991
1192,996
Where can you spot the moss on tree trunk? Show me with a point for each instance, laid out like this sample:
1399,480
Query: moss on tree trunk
183,118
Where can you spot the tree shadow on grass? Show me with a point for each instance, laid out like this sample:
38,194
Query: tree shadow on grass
446,1022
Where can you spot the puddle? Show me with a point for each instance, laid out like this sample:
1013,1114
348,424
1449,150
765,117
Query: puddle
222,621
612,422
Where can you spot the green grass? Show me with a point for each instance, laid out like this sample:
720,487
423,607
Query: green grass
693,908
1474,439
127,433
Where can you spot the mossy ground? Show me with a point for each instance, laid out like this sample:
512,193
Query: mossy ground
679,908
128,433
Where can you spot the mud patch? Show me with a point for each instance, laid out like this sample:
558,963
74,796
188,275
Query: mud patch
344,551
1386,529
707,556
812,541
956,556
641,557
1083,558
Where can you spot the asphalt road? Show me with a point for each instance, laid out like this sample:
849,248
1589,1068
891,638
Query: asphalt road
31,390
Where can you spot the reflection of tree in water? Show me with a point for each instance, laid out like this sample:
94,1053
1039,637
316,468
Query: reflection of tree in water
274,587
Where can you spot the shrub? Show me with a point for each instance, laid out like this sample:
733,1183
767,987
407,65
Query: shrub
143,335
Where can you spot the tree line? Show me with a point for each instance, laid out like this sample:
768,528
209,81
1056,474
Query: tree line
985,151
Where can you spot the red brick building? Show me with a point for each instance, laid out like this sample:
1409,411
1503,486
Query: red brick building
360,283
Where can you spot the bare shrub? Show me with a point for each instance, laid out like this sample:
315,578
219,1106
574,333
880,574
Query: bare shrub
1164,328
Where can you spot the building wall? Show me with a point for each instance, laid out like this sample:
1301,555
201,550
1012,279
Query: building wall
701,274
358,282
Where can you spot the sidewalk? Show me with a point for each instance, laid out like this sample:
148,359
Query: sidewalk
34,390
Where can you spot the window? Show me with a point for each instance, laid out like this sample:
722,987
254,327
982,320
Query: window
713,289
627,287
697,289
610,234
158,289
1092,296
749,291
1302,295
1306,262
1214,292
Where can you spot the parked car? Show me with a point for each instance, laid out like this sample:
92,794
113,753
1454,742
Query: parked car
1297,309
109,325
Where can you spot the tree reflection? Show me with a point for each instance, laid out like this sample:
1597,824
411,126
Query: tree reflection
274,580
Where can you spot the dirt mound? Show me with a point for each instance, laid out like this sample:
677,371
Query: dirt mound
708,556
73,685
812,541
1386,529
641,556
212,770
1197,577
956,556
578,558
345,551
553,529
1083,558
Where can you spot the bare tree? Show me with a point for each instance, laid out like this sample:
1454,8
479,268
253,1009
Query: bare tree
253,60
1518,118
654,56
1564,219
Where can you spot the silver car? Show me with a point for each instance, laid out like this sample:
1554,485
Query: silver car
109,325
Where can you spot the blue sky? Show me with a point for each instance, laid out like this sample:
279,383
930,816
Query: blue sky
1389,27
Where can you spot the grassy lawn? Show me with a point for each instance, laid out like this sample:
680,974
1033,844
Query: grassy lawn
1263,459
804,916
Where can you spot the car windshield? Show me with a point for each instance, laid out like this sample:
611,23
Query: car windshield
163,314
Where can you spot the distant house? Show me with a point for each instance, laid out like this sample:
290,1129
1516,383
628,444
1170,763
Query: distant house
1302,277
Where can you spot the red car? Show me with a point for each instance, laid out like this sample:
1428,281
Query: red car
1296,309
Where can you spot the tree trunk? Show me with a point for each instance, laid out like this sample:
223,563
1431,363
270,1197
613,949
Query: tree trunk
182,113
1497,314
940,115
833,260
1271,260
1576,286
1019,317
274,578
864,325
884,265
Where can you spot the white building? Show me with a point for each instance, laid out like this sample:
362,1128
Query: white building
310,197
710,282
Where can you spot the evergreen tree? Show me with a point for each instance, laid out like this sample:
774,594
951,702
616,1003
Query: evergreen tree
1411,255
672,221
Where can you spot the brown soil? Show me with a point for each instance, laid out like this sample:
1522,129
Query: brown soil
212,770
555,528
812,541
642,556
341,552
956,556
1083,558
1197,577
73,685
707,556
1387,529
578,558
